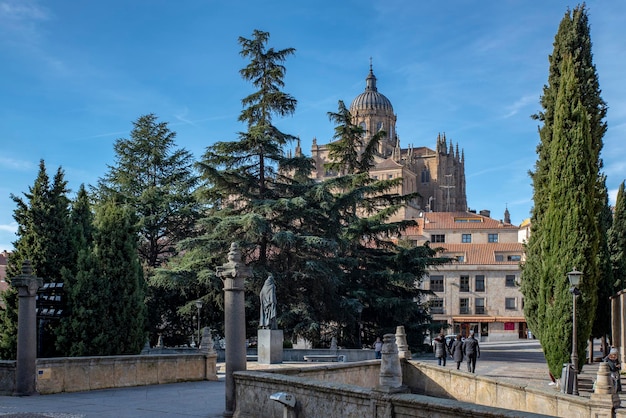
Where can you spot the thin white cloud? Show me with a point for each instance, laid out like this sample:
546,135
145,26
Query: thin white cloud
15,164
12,227
520,104
22,10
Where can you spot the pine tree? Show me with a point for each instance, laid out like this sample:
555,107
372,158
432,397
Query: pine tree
158,181
44,238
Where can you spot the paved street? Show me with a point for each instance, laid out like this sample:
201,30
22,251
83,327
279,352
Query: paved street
519,362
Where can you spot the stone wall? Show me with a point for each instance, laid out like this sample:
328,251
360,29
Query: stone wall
316,398
74,374
349,390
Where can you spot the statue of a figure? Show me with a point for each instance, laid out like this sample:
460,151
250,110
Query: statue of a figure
268,304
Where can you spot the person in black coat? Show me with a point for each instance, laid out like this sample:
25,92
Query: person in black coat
456,351
472,351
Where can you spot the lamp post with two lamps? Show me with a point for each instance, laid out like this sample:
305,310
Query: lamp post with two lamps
199,304
574,278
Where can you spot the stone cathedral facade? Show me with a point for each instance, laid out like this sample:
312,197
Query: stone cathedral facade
437,175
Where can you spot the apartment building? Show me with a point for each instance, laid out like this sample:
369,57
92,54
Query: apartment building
480,290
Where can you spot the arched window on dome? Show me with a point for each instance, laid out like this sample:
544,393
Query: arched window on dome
380,126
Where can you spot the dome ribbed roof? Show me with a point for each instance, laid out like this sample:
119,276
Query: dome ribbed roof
370,99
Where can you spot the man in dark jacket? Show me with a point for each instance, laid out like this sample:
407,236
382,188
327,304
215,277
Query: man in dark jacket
472,351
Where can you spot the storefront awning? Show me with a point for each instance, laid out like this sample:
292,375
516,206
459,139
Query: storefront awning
510,319
474,318
487,318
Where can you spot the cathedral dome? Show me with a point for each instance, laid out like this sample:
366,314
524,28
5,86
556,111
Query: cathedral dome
370,99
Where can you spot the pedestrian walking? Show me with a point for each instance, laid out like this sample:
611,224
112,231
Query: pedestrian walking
457,351
614,366
472,351
441,350
378,348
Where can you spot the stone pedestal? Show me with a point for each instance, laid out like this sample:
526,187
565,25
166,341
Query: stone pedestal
270,346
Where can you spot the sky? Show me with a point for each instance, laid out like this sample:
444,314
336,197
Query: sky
75,75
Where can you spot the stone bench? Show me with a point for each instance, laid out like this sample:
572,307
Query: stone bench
325,357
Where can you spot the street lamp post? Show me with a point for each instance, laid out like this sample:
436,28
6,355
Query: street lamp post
199,304
574,278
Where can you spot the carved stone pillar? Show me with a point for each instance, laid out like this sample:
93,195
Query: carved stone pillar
403,347
390,379
233,275
26,366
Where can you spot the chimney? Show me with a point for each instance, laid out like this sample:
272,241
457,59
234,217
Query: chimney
485,212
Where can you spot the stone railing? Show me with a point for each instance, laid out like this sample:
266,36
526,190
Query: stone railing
349,390
74,374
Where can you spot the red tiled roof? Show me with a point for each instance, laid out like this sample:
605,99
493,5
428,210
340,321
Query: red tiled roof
483,253
449,220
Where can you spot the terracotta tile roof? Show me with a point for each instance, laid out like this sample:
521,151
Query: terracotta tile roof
483,253
450,220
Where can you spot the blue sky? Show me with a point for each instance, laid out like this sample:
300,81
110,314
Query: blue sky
75,75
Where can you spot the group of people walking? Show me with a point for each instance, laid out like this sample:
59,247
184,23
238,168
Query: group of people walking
458,349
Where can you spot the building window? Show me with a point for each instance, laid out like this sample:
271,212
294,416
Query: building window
463,306
438,238
465,287
515,257
492,237
436,305
499,257
479,305
510,280
466,238
363,126
460,258
436,283
389,176
509,304
479,283
425,176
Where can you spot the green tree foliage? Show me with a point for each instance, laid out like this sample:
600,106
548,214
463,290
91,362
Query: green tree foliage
241,185
617,241
106,296
569,234
44,238
572,42
351,152
158,181
328,244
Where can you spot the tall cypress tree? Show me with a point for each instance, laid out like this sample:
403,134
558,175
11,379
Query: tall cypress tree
569,229
573,43
617,240
107,315
44,238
